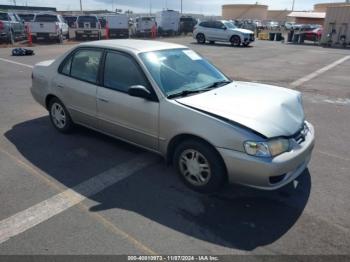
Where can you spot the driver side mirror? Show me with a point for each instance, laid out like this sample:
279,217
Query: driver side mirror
139,91
224,28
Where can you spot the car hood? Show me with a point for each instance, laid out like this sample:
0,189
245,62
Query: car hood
269,110
243,31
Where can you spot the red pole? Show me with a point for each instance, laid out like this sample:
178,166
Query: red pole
30,40
107,30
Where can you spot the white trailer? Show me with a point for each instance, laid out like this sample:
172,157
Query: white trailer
168,22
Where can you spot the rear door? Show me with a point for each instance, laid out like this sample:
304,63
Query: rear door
77,84
130,118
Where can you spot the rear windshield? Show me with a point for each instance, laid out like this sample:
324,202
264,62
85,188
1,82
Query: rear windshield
188,19
27,17
70,18
4,16
90,19
46,18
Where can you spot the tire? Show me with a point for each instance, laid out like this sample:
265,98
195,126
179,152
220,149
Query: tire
11,38
59,116
200,38
235,40
188,158
212,42
246,44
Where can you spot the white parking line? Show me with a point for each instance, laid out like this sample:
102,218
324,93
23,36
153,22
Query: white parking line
318,72
24,220
16,63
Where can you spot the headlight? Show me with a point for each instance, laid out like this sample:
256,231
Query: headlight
270,148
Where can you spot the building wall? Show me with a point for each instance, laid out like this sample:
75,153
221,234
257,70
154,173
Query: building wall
323,7
305,20
338,19
258,12
277,15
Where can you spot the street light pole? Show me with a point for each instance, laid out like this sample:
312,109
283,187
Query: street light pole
181,6
293,5
81,7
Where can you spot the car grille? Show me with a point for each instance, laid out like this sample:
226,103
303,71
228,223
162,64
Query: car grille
301,134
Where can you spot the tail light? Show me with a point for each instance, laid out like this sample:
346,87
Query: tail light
1,25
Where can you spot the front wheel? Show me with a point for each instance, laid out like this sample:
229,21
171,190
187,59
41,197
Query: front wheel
200,38
59,116
199,166
246,44
235,40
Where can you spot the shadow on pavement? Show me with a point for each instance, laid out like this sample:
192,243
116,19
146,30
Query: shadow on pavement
238,217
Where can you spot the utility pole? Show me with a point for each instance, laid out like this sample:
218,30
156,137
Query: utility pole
14,2
150,7
293,5
81,7
181,6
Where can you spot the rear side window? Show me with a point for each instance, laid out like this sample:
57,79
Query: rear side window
121,72
83,65
46,18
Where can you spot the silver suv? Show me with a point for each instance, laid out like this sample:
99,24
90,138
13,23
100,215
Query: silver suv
222,31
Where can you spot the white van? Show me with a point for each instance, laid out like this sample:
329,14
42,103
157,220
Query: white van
143,25
118,26
168,22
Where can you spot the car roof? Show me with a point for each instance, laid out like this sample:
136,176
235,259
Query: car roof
135,46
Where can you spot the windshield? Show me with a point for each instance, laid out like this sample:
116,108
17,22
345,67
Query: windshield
4,16
179,70
230,25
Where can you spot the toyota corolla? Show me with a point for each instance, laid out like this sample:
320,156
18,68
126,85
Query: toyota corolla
170,100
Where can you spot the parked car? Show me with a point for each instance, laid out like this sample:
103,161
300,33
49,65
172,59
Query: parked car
222,31
118,26
289,25
168,22
12,28
88,26
313,34
168,99
49,26
272,25
187,24
143,26
70,20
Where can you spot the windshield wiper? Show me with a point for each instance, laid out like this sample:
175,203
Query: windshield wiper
184,93
216,85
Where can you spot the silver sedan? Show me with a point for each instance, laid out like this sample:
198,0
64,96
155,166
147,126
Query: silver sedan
168,99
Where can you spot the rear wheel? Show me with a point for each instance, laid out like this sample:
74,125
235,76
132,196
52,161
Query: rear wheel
200,38
235,40
246,44
59,116
199,166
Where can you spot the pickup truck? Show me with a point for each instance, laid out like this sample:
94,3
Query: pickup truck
88,26
48,26
11,27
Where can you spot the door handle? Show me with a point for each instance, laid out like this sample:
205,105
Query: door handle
60,86
103,100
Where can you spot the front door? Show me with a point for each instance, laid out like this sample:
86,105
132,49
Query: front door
130,118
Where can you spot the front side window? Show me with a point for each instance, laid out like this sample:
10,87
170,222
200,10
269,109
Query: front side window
85,65
178,70
121,72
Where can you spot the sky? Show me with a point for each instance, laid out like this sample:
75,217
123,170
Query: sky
207,7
